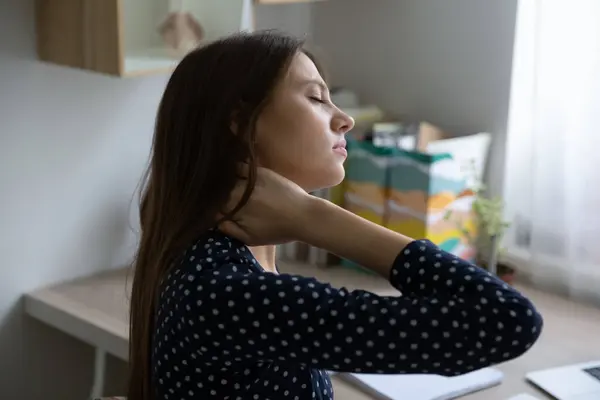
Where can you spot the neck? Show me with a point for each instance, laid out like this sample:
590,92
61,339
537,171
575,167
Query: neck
265,255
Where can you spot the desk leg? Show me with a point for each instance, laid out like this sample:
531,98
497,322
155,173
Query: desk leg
99,370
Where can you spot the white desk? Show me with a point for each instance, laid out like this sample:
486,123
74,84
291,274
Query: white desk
95,310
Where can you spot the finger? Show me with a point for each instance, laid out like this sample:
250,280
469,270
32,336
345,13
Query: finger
235,197
243,170
231,228
220,218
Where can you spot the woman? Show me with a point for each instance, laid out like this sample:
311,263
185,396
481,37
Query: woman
245,129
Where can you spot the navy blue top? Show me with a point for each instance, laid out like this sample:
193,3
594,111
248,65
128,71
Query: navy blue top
227,329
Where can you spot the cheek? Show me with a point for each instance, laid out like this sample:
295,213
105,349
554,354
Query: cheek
289,136
307,162
285,151
297,146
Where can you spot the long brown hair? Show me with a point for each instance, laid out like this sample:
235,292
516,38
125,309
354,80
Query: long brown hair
194,163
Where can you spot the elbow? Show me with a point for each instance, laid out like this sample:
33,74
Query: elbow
525,331
512,329
536,324
509,342
532,327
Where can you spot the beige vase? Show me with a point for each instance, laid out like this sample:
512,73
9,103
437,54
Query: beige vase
181,32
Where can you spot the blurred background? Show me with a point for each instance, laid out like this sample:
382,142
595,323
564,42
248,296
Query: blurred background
431,82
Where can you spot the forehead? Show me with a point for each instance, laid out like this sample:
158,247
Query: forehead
302,69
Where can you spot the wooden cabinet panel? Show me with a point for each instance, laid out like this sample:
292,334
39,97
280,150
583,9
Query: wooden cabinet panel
123,37
80,33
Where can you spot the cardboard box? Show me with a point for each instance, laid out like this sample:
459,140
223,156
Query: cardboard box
367,177
411,192
422,190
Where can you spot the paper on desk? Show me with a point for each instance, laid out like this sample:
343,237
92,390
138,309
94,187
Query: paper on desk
424,387
523,396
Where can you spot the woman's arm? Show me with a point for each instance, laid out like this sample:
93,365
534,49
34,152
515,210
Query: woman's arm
452,319
330,227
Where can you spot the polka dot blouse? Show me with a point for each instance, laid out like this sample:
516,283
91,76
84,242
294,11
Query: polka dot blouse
227,329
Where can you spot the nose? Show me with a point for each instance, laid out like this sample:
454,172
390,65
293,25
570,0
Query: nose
342,123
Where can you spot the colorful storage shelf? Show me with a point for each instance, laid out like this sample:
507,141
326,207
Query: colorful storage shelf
411,193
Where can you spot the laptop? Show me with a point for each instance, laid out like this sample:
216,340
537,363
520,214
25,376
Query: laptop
572,382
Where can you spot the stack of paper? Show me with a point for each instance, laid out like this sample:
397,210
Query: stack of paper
424,387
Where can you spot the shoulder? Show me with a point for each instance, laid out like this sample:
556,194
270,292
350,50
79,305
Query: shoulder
214,250
213,256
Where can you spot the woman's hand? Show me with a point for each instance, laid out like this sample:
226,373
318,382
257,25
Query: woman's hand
280,211
273,214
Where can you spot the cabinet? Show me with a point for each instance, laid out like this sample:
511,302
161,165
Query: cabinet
124,37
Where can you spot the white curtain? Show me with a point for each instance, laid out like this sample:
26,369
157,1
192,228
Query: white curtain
552,176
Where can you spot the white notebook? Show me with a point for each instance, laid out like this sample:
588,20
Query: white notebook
424,387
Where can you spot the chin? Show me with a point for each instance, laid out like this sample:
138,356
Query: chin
325,180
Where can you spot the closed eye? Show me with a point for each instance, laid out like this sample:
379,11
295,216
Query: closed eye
318,100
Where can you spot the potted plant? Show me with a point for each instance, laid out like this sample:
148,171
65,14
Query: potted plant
490,227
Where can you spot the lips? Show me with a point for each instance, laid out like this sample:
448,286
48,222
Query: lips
340,148
340,145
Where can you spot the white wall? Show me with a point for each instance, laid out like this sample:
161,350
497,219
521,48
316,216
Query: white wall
72,148
446,61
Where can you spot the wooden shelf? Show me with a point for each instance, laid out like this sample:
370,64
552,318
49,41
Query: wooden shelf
121,37
285,1
148,61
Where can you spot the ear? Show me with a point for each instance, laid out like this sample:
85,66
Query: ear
234,124
234,119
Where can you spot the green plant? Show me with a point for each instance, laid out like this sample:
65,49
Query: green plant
489,223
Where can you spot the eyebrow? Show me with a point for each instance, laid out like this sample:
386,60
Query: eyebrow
317,82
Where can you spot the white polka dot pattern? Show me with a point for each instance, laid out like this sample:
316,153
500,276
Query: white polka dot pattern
227,329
